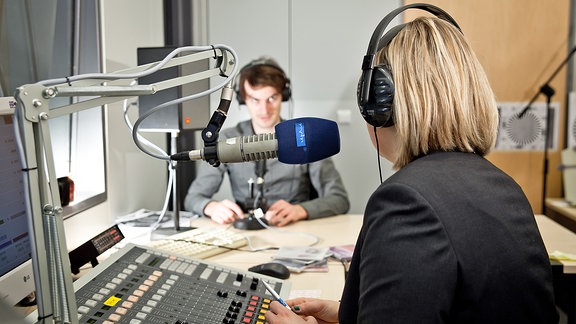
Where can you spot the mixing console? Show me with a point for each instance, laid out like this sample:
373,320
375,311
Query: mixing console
144,285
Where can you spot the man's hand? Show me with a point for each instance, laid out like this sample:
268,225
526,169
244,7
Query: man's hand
283,213
223,212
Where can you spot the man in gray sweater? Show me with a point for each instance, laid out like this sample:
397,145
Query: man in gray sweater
291,192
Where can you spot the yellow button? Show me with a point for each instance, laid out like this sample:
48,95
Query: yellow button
113,300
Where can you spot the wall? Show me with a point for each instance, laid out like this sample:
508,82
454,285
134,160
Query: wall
320,44
135,180
520,44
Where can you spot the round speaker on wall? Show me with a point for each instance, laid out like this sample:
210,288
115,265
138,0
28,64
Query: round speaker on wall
529,131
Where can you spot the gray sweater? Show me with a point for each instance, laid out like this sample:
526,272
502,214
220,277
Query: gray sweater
293,183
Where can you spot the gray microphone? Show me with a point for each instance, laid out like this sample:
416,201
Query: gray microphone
296,141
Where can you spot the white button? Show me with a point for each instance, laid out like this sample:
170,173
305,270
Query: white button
91,303
83,309
98,297
152,303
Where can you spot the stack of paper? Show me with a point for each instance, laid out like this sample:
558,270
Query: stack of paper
342,252
299,259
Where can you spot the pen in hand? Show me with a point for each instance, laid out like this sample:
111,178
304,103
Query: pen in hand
275,294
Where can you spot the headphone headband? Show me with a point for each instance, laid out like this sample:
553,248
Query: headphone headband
263,61
375,92
377,35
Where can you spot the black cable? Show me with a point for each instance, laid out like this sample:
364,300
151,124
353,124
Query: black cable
378,154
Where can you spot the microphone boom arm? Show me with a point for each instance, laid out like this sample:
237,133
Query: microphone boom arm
54,288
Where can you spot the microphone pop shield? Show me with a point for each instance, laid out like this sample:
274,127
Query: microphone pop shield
305,140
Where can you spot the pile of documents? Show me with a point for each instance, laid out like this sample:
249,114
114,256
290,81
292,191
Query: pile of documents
299,259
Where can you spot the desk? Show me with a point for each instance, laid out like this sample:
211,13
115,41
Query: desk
337,230
563,213
344,229
558,238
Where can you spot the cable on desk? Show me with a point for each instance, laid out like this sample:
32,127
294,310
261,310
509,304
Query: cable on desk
258,213
220,246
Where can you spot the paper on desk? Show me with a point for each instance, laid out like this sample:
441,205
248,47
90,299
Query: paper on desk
302,254
562,256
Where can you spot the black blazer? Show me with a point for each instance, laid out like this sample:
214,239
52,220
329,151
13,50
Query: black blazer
449,238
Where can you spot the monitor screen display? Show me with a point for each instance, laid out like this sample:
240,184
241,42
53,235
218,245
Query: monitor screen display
16,279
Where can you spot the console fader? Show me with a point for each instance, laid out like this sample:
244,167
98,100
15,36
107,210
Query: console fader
143,285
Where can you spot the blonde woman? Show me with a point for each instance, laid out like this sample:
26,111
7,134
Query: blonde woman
449,238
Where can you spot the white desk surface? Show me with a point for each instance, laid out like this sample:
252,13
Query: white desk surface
336,230
558,238
339,230
344,229
330,231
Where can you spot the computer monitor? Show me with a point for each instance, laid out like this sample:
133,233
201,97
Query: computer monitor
16,275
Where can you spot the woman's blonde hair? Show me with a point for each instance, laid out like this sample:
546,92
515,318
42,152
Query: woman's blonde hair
443,101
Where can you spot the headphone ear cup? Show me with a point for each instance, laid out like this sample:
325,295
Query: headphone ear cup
378,110
287,91
238,96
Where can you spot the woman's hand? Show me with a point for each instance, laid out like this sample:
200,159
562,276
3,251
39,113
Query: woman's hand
304,310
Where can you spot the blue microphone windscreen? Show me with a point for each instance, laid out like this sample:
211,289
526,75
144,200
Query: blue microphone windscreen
305,140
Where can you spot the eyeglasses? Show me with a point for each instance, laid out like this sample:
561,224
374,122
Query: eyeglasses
270,100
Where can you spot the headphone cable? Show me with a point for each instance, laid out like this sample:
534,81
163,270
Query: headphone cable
378,154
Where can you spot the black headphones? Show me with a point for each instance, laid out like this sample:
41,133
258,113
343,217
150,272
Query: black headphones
376,85
286,91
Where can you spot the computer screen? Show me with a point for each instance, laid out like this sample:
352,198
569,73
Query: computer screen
16,276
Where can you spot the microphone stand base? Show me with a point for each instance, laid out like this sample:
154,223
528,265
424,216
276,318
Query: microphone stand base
250,224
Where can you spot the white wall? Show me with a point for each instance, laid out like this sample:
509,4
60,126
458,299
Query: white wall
135,180
320,44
